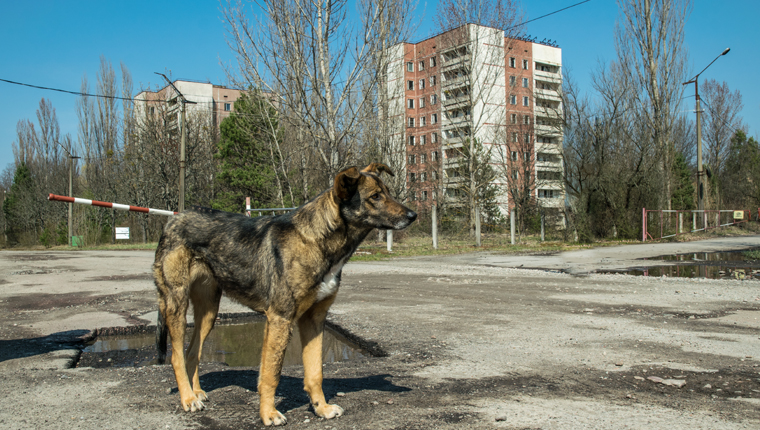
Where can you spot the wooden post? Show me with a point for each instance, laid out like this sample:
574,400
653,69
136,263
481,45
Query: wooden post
435,226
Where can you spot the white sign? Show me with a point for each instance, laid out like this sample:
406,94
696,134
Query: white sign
122,233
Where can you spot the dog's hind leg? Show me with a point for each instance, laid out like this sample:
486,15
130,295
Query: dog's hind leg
311,328
205,296
276,337
174,286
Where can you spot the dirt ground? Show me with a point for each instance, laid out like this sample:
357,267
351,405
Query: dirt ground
469,341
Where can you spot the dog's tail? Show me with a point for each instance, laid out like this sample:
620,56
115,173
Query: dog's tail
161,338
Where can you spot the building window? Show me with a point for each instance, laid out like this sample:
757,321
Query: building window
424,195
422,139
434,175
514,137
423,177
434,118
525,82
526,102
152,110
547,194
432,61
423,158
512,62
513,118
422,102
512,81
411,122
513,99
434,157
527,137
525,64
434,137
432,80
411,159
411,103
411,140
227,107
433,99
410,85
526,119
422,83
409,67
527,156
515,175
514,155
412,177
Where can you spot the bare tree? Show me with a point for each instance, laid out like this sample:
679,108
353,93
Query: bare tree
649,43
475,103
315,62
720,121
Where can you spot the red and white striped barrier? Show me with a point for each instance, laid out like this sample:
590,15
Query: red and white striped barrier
110,205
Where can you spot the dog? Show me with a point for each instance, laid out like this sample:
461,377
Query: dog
287,267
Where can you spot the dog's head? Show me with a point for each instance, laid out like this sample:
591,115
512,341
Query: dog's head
364,199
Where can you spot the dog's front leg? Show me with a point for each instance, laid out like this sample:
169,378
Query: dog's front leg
311,328
276,337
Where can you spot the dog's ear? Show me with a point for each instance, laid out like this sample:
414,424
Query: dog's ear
346,183
378,168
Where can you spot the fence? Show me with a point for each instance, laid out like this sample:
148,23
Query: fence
671,223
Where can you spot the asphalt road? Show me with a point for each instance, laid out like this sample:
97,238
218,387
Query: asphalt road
470,341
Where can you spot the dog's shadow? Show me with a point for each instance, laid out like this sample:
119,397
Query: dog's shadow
21,348
291,388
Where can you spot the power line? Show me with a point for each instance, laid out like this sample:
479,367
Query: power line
548,14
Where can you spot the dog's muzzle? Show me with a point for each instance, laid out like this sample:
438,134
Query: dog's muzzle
409,218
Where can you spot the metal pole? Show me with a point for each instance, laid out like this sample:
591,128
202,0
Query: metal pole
181,206
700,187
71,204
643,224
435,226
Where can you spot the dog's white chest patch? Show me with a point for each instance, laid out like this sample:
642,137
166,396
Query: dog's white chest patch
330,282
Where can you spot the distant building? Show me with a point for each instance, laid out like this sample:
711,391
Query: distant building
474,83
214,102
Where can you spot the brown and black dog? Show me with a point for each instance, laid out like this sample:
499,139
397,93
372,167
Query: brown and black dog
287,267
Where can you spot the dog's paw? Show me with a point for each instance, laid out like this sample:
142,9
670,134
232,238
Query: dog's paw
201,395
329,411
193,404
274,419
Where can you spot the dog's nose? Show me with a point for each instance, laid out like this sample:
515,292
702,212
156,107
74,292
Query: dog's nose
411,216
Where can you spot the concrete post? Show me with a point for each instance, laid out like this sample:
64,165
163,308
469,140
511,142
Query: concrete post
512,216
435,226
389,239
477,226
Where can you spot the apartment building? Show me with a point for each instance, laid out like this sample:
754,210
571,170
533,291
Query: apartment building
473,84
211,102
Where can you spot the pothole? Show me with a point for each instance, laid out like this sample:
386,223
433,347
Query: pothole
236,342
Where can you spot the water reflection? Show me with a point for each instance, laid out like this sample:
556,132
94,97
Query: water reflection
238,345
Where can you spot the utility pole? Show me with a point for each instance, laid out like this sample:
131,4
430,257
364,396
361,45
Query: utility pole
700,173
71,194
183,139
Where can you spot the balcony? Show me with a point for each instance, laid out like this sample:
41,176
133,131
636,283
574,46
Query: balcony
455,82
458,122
462,60
547,130
456,102
552,95
547,112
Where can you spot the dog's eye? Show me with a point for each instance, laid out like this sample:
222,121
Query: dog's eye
375,196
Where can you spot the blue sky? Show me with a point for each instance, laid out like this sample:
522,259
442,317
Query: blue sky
55,43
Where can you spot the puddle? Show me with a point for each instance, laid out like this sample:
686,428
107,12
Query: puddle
237,345
713,265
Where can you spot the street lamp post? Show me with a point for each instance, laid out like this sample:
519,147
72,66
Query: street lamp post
700,173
